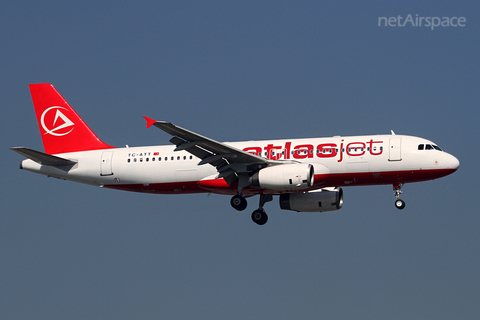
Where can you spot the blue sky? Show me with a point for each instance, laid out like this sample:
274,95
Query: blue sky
233,70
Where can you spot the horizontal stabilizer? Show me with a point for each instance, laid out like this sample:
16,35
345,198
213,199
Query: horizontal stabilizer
43,158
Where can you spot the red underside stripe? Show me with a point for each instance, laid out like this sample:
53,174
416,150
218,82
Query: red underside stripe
335,180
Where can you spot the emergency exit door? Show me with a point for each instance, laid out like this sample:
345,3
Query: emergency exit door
106,164
395,149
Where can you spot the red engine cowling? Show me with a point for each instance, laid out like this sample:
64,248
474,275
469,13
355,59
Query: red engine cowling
284,177
330,199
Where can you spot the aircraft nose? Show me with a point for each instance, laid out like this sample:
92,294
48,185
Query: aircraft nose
452,162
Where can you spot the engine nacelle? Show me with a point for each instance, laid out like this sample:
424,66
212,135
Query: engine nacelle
330,199
284,177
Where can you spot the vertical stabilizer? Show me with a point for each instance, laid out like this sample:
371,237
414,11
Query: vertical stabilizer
61,127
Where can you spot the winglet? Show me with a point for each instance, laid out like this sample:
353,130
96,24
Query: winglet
150,122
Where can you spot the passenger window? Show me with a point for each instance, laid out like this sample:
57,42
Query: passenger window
420,147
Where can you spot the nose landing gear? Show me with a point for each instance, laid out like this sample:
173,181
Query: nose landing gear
399,203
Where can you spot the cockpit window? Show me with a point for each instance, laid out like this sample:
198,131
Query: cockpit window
428,147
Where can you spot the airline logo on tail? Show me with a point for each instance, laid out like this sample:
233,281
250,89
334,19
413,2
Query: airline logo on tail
59,127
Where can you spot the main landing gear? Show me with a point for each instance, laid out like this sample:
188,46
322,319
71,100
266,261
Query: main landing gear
259,216
399,203
239,202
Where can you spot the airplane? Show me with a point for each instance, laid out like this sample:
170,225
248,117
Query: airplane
306,174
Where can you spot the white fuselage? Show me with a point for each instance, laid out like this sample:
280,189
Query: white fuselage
338,161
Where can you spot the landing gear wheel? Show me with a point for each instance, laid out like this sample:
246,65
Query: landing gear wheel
239,202
400,204
260,217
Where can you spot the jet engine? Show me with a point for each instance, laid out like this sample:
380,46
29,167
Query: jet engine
329,199
284,177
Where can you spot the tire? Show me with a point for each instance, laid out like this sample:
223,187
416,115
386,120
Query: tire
399,204
260,217
238,202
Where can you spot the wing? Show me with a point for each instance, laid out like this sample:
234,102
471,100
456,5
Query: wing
230,162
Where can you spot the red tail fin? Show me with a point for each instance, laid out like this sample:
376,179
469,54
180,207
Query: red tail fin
61,128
